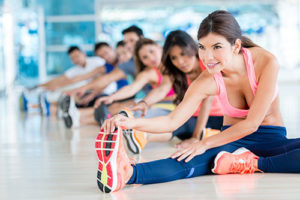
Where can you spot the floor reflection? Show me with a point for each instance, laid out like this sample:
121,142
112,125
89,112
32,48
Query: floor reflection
234,184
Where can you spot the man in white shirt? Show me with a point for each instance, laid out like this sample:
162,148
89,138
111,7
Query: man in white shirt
84,69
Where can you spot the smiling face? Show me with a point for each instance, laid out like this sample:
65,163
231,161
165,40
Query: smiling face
181,60
216,52
150,55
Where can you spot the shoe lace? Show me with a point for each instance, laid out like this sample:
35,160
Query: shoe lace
245,167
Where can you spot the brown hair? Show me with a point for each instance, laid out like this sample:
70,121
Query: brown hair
189,47
139,65
223,23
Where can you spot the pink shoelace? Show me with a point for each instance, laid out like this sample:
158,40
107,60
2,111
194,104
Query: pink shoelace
245,167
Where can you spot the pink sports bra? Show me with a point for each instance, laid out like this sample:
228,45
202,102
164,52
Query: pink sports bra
159,75
215,109
222,94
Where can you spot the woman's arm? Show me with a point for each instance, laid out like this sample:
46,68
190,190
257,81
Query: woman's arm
158,94
141,80
154,96
200,124
258,109
202,117
198,90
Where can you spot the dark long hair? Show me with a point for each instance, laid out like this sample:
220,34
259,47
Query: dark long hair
223,23
189,47
139,65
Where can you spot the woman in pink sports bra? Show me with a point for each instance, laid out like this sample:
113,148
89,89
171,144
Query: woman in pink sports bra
253,137
181,67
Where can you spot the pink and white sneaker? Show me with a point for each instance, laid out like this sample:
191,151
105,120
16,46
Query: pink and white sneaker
114,163
241,161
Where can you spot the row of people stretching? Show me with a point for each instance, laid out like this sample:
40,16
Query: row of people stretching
187,90
243,76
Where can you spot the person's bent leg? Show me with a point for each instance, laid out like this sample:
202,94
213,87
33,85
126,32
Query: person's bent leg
278,154
281,157
284,163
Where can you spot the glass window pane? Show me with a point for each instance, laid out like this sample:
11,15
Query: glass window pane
157,21
27,42
70,33
68,7
58,62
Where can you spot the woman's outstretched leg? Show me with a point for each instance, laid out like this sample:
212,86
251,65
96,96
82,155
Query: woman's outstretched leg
169,169
115,168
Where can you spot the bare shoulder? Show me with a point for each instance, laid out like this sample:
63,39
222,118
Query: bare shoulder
207,83
263,59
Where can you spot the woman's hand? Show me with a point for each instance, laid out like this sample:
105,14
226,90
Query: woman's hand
186,143
109,125
190,152
142,106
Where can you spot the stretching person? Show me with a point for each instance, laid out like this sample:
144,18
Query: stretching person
111,56
123,53
85,69
244,76
147,57
105,51
148,61
181,63
131,35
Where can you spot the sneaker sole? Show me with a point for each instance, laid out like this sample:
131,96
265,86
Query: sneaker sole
68,120
65,105
131,142
42,105
107,146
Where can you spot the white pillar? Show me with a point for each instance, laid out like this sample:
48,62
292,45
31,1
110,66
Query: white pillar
289,42
42,46
97,14
9,45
